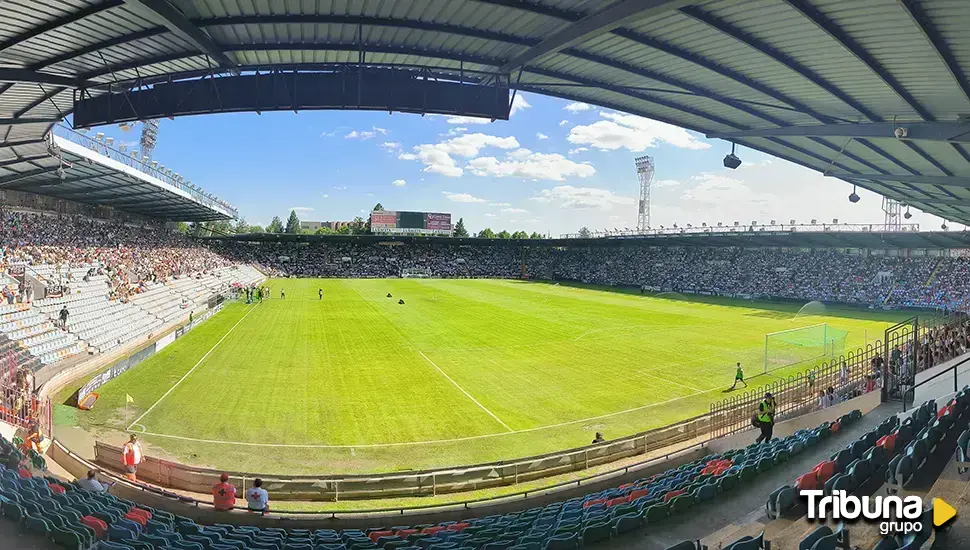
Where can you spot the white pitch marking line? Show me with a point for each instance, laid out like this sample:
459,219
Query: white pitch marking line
170,390
468,395
432,441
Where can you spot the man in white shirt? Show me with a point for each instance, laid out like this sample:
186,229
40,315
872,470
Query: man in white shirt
93,485
257,499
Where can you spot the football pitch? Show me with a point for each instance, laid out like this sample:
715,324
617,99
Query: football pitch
464,372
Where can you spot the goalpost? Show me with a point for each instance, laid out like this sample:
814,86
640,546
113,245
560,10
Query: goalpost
415,273
796,346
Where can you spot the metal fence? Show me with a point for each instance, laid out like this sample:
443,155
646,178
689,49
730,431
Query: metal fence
796,394
22,408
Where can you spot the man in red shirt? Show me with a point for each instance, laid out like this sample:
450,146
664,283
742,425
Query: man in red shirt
223,494
131,457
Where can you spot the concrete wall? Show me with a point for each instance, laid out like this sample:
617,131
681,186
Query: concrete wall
175,475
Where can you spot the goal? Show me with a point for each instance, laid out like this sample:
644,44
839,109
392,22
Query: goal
803,346
415,273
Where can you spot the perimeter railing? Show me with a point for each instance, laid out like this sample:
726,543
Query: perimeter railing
796,394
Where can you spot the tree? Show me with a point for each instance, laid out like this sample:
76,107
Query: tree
460,230
293,223
182,227
535,235
503,234
520,235
378,207
256,229
323,231
359,227
241,226
219,228
275,225
585,233
486,234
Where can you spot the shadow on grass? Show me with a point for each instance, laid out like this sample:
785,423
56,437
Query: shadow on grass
771,309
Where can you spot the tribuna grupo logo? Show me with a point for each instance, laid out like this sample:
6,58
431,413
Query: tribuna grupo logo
894,514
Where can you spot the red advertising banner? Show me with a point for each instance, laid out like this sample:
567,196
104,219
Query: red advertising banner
383,219
438,221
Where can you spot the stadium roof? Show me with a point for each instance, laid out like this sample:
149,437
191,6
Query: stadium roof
784,239
94,172
828,84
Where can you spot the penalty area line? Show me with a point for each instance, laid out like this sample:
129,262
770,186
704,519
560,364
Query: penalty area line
170,390
468,395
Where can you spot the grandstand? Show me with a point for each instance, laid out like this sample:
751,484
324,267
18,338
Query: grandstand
872,92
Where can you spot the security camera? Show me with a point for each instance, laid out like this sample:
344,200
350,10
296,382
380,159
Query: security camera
853,197
900,132
907,215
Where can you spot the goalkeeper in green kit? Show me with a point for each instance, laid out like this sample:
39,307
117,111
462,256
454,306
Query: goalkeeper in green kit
739,377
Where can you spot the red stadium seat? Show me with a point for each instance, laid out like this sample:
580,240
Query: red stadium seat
639,493
807,482
619,500
426,530
824,471
403,533
378,534
458,527
99,527
56,489
835,427
673,494
594,502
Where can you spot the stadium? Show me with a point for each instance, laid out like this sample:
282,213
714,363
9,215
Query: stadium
175,378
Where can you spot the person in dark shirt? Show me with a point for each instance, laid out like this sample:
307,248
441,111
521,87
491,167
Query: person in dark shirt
63,316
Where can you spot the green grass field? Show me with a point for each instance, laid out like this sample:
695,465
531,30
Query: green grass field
467,371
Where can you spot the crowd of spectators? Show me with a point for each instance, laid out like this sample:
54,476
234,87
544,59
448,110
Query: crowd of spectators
128,254
824,275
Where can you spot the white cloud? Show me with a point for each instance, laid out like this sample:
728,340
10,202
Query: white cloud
632,132
524,164
462,197
467,120
540,135
340,187
391,145
578,107
666,183
563,122
519,104
301,208
367,134
568,196
499,204
361,135
515,211
489,215
578,150
439,158
326,196
399,183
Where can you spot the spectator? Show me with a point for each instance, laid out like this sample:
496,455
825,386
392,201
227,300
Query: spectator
131,457
257,499
766,418
823,400
63,316
223,494
92,484
598,439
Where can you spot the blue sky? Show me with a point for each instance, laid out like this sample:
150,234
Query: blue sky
554,167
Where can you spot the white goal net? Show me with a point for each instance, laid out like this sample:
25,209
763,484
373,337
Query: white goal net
415,273
803,346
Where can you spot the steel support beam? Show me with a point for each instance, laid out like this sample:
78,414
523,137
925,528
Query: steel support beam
22,120
926,26
164,13
24,175
929,131
18,160
945,181
27,76
617,15
852,46
935,201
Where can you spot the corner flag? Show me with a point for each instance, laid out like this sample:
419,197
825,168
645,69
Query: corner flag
128,399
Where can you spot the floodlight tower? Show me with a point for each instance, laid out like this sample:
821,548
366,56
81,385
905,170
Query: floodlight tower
149,136
893,210
645,168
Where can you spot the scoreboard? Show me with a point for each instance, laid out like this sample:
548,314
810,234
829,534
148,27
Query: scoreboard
410,223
